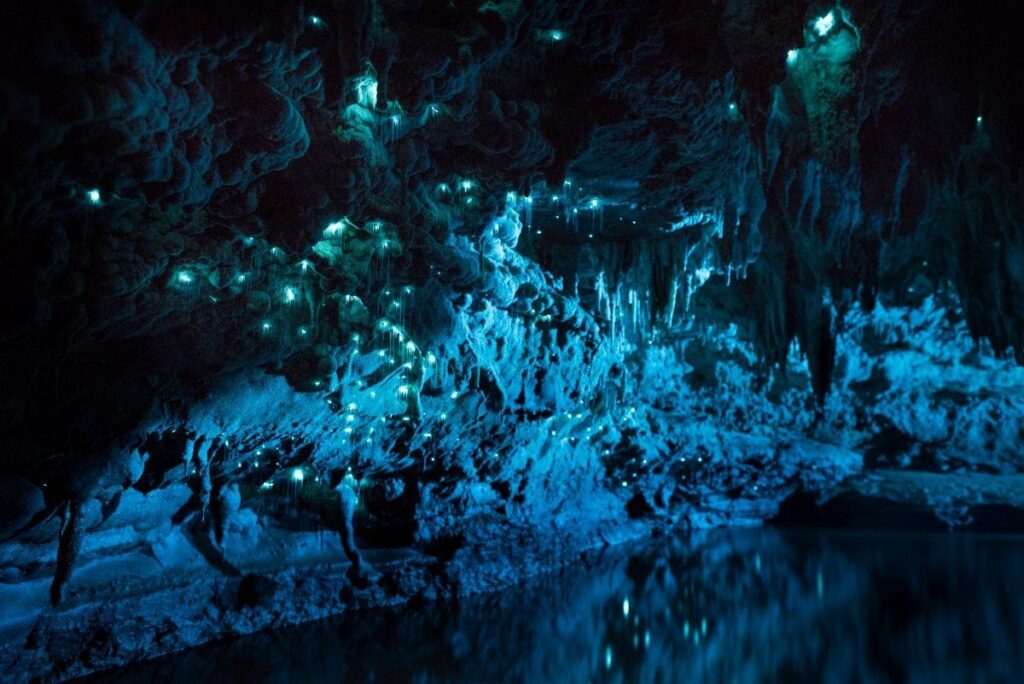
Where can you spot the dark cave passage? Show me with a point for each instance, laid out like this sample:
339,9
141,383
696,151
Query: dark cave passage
327,308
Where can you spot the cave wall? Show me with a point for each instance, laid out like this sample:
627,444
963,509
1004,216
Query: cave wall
449,275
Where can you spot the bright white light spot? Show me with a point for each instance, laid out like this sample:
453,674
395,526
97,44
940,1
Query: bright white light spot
266,327
556,35
335,228
366,91
594,203
466,185
824,24
93,196
410,346
184,277
315,20
792,56
607,657
305,265
303,332
290,295
298,475
403,390
454,395
625,607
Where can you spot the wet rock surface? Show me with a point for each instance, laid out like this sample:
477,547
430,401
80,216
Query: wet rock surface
370,302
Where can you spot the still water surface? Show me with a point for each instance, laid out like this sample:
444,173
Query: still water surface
723,606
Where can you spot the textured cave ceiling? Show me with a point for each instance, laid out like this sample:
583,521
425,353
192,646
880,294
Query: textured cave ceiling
195,188
479,286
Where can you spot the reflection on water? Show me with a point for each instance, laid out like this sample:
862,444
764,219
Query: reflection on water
729,606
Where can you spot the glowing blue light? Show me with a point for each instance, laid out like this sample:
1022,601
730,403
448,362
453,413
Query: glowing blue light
556,35
443,188
792,56
395,119
334,228
93,196
266,327
980,120
825,24
366,91
594,203
290,295
305,265
732,106
625,607
315,20
184,277
466,185
298,475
